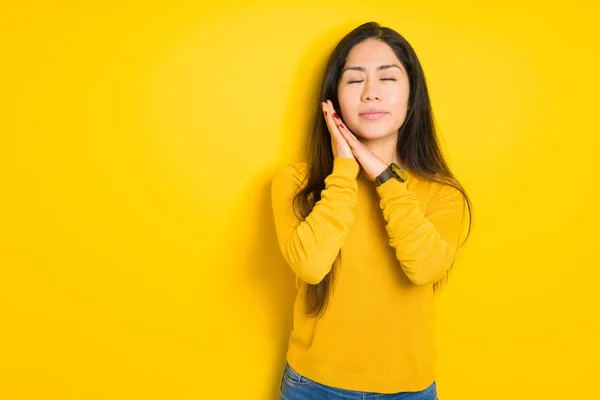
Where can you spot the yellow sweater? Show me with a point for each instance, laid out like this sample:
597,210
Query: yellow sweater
377,334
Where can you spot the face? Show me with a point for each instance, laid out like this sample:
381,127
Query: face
373,91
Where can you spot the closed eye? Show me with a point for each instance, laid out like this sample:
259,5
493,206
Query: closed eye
383,79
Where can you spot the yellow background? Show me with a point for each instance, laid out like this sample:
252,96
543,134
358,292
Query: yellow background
138,140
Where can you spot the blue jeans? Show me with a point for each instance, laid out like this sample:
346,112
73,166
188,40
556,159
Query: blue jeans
298,387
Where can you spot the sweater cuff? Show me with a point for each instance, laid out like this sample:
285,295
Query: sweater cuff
343,166
392,187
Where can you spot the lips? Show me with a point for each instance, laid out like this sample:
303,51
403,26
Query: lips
373,114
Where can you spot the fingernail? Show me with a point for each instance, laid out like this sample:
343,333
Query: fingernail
325,113
336,116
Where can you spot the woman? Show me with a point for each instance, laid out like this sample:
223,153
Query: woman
370,224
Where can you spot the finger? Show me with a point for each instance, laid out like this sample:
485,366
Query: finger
325,108
336,119
326,115
349,136
331,124
334,114
355,146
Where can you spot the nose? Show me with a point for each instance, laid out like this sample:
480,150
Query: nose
371,91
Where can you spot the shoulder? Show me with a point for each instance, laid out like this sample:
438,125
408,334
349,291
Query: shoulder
292,173
446,195
436,192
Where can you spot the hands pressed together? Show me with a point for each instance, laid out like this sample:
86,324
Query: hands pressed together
345,144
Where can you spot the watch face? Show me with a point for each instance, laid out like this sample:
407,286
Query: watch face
399,172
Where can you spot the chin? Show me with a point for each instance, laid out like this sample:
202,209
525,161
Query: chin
373,132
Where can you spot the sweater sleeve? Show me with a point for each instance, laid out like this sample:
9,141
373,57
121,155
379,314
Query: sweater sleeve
311,246
425,243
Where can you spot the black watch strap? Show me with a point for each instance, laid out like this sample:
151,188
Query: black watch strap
392,171
386,175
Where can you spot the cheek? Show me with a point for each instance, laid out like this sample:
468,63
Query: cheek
347,92
348,100
398,98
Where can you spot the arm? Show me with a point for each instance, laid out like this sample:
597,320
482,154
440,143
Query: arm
311,246
425,243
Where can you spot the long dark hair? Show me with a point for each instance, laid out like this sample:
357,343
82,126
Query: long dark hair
417,148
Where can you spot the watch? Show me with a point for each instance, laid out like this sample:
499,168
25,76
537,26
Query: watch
392,171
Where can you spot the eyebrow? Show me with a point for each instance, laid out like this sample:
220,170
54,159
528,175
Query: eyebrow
381,67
